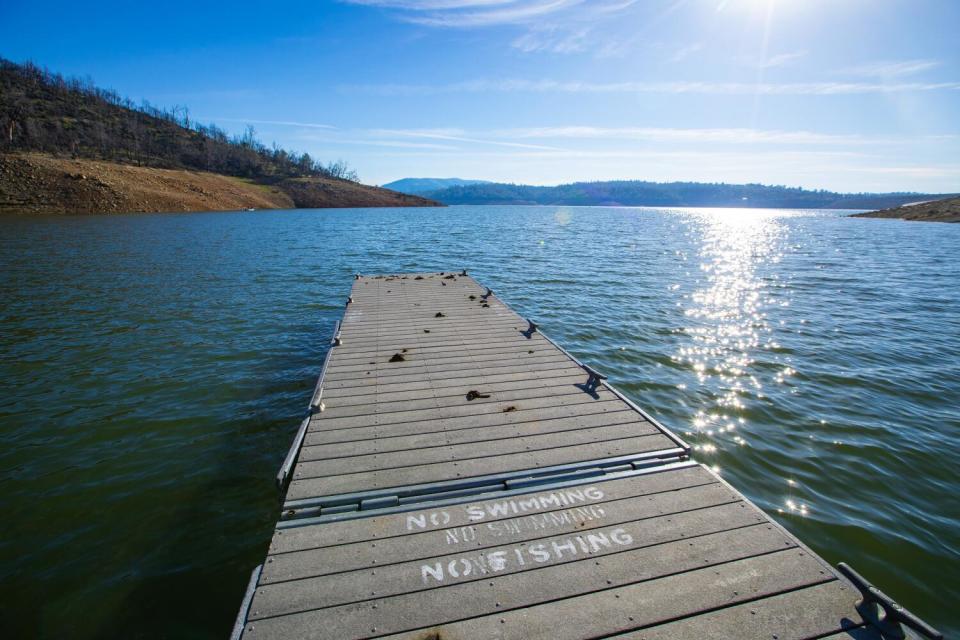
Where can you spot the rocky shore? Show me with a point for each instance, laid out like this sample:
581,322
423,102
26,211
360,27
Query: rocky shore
947,210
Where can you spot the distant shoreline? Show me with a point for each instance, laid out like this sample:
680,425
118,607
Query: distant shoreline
946,210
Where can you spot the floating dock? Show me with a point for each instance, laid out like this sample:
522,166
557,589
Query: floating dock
460,475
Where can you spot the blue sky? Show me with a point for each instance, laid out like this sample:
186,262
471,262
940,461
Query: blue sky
841,94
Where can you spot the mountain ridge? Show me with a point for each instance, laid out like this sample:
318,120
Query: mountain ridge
418,186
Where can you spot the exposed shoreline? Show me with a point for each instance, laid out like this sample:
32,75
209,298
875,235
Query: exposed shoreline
36,183
947,210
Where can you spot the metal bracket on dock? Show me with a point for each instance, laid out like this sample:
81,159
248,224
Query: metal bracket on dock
882,612
463,273
336,341
349,300
487,294
602,381
532,329
595,378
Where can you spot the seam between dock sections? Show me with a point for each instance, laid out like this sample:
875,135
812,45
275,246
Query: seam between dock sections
417,464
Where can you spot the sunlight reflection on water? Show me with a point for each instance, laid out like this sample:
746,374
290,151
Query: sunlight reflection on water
729,345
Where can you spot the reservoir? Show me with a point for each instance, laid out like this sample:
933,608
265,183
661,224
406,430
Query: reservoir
156,368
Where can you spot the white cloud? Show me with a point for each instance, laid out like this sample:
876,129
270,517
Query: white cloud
707,88
891,69
782,59
553,39
458,135
430,5
699,136
280,123
569,15
683,53
471,13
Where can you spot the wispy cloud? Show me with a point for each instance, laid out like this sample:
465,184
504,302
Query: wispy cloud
279,123
400,144
685,52
458,135
553,39
551,26
781,59
698,136
709,88
891,69
472,13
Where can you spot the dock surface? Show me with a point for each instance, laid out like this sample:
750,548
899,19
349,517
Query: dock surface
462,476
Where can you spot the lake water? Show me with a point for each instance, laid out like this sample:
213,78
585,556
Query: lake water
155,368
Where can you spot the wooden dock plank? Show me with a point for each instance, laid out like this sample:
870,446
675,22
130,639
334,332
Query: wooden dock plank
521,416
685,545
546,508
810,612
386,442
533,400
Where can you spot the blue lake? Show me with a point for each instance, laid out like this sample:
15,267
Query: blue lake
155,369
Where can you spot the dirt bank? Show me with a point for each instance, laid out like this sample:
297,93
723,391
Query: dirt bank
39,183
947,210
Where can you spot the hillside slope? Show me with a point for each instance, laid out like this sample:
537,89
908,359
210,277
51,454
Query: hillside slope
140,158
39,183
947,210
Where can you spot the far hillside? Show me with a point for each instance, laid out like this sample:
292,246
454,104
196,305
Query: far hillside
72,120
670,194
419,186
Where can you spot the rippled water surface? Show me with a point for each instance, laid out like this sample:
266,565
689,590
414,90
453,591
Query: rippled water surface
154,369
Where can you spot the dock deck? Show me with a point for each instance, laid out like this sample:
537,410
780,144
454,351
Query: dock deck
462,476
